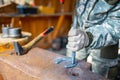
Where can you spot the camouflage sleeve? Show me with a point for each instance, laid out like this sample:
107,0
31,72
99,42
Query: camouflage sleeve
107,33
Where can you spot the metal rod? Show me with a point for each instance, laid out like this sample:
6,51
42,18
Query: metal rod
73,52
73,57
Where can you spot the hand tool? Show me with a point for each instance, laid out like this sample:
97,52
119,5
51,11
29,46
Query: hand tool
72,61
21,50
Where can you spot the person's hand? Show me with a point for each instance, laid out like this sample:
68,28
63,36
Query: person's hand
77,39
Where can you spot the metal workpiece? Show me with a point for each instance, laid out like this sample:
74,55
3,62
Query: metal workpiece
9,32
68,60
71,61
5,32
15,32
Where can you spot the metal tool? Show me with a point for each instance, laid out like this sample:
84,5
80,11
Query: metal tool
5,31
21,50
15,32
10,32
72,61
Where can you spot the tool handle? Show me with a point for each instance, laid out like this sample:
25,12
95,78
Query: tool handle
38,38
46,32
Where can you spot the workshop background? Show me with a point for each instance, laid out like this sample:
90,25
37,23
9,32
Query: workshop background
39,15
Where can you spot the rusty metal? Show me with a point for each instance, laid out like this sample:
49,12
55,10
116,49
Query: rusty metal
38,64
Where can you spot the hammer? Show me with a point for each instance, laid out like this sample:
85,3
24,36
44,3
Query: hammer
21,50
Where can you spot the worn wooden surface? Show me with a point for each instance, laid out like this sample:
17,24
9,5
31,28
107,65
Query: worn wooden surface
38,64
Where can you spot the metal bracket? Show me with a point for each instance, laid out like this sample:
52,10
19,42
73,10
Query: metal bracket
70,60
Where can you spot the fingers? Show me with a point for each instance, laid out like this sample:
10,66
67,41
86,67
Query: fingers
76,48
74,38
77,39
76,45
74,32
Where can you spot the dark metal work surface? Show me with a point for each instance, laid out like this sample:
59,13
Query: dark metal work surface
38,64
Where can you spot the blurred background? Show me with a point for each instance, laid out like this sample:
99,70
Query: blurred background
34,16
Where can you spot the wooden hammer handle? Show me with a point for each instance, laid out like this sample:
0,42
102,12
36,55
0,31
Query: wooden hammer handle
37,39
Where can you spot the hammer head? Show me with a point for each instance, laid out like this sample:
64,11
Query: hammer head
18,48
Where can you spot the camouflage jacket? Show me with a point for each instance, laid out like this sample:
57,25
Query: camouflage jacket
99,18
